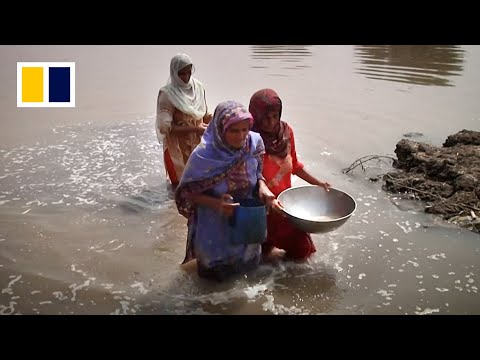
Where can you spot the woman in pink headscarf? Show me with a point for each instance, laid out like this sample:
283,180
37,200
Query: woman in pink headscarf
280,162
182,116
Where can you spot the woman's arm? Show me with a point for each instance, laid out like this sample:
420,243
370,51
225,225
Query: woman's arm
165,111
207,117
183,130
299,168
303,174
267,197
223,205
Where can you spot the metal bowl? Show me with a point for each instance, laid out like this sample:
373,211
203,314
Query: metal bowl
314,210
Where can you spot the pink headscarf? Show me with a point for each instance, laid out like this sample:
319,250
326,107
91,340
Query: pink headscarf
236,115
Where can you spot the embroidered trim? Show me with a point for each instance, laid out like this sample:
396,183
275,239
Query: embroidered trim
165,110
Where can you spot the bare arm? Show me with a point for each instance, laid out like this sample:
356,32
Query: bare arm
303,174
299,169
267,197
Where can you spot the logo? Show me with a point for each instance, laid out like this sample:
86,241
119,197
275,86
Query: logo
45,84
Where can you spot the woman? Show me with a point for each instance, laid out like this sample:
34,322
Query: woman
225,167
280,162
182,116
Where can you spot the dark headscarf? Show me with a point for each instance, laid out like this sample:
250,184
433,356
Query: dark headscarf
261,103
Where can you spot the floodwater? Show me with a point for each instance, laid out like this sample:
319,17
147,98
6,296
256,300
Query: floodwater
88,224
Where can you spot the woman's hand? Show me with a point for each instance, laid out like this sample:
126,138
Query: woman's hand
324,184
226,206
207,118
276,206
269,199
305,175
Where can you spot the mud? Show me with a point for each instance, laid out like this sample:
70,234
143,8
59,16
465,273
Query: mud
446,178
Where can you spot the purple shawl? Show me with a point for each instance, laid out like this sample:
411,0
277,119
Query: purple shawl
213,160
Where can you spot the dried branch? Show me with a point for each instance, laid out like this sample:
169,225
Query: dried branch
363,160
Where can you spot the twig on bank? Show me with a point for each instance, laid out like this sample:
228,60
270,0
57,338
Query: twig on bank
361,161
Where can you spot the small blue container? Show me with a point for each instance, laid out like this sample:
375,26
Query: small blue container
249,222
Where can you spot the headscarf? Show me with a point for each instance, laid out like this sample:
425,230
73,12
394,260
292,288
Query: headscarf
213,159
261,103
188,98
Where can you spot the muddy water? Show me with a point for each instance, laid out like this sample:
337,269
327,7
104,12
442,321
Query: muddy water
88,224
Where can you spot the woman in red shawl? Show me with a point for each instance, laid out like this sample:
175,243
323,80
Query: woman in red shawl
280,162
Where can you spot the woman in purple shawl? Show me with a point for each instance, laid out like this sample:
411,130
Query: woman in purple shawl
224,167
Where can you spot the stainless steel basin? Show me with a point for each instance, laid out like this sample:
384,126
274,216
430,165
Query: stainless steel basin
314,210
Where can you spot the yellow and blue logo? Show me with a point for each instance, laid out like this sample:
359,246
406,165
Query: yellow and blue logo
45,84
